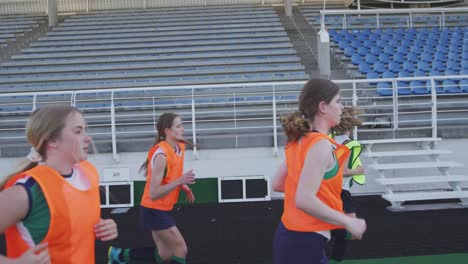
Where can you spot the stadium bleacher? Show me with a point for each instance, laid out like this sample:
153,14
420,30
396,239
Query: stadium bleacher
13,26
160,47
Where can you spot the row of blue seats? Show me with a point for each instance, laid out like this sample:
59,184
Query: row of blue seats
161,29
150,57
387,20
11,69
391,48
176,80
167,15
423,87
192,43
137,23
153,50
156,34
127,103
372,74
420,39
421,68
162,39
95,75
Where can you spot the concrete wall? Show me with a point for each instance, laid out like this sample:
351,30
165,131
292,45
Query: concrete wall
247,162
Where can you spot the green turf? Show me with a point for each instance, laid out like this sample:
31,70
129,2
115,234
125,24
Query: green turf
433,259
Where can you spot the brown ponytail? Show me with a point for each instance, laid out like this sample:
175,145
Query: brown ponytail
314,91
295,126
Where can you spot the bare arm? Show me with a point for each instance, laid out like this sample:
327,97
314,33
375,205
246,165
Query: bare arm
318,159
280,177
157,190
347,172
38,254
14,206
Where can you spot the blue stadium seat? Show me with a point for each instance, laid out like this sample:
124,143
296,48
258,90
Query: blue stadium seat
409,66
415,49
362,51
355,43
413,57
427,57
343,44
394,43
464,85
349,51
364,67
435,73
453,57
371,58
375,50
451,72
372,75
385,58
384,89
450,86
388,74
419,87
399,57
402,49
438,86
394,66
423,66
464,72
438,66
356,59
380,67
419,73
389,50
404,86
440,56
464,64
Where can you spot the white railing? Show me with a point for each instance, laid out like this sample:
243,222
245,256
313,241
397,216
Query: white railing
270,101
65,6
378,13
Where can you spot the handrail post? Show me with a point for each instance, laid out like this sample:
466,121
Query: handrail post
433,108
115,155
194,128
275,124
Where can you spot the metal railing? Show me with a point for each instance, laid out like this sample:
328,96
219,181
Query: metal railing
65,6
377,13
235,109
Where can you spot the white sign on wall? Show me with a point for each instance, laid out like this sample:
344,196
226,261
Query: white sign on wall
116,174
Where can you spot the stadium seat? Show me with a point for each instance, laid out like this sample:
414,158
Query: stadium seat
394,67
464,85
450,86
384,89
419,87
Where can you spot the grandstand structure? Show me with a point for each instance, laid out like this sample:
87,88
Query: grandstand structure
231,69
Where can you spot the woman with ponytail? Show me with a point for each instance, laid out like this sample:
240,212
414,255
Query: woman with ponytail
164,180
311,179
50,210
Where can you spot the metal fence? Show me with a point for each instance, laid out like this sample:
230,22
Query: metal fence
234,109
64,6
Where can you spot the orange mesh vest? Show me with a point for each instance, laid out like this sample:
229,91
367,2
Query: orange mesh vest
329,191
73,214
174,166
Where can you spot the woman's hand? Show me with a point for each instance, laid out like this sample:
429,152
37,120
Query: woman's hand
106,230
38,254
187,178
189,193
